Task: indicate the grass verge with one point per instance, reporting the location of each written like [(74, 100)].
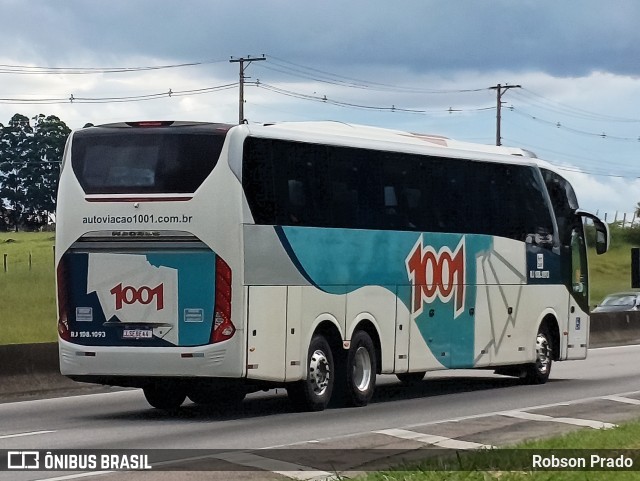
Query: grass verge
[(27, 288), (515, 463)]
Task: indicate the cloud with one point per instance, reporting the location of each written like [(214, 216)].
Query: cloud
[(606, 195), (568, 38)]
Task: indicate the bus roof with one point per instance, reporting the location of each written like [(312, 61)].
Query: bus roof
[(330, 128), (324, 131)]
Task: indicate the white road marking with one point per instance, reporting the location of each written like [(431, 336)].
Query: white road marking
[(621, 399), (20, 435), (79, 475), (526, 408), (440, 441), (290, 470), (303, 473), (574, 421)]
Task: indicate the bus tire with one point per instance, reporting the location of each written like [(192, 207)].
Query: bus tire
[(314, 393), (538, 372), (410, 378), (166, 396), (361, 370)]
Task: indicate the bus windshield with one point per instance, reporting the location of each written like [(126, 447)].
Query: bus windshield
[(145, 160)]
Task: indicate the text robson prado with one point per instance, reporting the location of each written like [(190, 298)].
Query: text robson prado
[(594, 461)]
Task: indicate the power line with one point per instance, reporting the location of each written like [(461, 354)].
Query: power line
[(123, 99), (37, 70), (327, 100), (288, 67), (311, 73), (601, 172), (545, 103), (560, 125)]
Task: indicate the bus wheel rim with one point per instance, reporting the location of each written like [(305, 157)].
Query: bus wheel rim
[(543, 355), (319, 372), (361, 369)]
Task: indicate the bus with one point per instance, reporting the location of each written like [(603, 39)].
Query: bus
[(209, 261)]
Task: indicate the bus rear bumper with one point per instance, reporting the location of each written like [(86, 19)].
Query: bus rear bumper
[(221, 360)]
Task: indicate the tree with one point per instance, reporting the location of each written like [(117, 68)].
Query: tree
[(14, 151), (29, 168), (50, 136)]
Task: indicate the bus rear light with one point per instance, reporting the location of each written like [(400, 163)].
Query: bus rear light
[(63, 307), (63, 329), (156, 123), (223, 329)]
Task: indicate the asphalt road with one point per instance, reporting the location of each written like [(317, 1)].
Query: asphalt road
[(123, 420)]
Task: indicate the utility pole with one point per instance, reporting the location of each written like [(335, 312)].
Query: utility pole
[(500, 90), (242, 61)]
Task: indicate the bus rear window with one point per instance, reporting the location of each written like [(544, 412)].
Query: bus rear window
[(123, 160)]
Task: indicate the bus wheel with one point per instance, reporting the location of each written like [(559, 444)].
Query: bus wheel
[(538, 371), (361, 370), (410, 378), (314, 393), (167, 396)]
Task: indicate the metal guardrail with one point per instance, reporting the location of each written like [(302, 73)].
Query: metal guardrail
[(33, 368), (614, 329)]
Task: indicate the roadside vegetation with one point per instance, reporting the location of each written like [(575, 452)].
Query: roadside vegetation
[(27, 288), (611, 272)]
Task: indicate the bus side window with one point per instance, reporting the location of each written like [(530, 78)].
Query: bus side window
[(297, 202), (564, 203), (400, 191), (411, 198), (392, 218), (258, 181), (343, 204), (578, 263), (537, 209), (349, 202), (526, 211)]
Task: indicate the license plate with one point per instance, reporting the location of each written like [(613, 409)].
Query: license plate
[(137, 334)]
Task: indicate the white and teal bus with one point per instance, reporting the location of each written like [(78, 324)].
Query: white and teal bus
[(209, 260)]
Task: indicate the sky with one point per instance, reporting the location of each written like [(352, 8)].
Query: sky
[(422, 66)]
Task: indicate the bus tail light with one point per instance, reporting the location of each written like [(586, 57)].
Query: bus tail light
[(152, 123), (223, 328), (63, 305)]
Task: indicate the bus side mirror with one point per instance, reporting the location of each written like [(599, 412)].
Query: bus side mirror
[(602, 237), (602, 231), (635, 267)]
